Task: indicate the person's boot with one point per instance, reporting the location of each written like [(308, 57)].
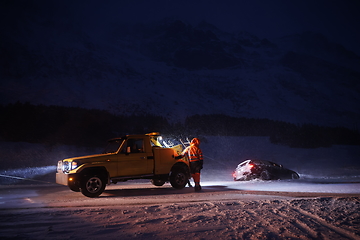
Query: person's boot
[(196, 178)]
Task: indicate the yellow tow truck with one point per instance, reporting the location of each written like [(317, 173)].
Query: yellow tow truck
[(130, 157)]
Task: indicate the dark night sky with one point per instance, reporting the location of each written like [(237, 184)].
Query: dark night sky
[(50, 23), (336, 19)]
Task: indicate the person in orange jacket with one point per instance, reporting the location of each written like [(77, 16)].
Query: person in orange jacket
[(196, 161)]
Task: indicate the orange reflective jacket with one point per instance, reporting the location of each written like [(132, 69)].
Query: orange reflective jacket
[(193, 151)]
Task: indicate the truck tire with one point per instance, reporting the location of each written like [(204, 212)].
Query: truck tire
[(265, 175), (92, 186), (158, 182), (178, 178)]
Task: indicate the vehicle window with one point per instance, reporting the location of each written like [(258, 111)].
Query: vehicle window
[(113, 146), (256, 162), (133, 145), (274, 164)]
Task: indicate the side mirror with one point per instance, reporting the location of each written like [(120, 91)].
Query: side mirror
[(128, 150)]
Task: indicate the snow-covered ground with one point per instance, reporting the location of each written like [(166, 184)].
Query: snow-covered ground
[(323, 204), (143, 211)]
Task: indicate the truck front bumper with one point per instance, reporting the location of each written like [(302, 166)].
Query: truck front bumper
[(62, 178), (66, 179)]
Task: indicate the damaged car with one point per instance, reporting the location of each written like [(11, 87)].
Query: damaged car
[(264, 170)]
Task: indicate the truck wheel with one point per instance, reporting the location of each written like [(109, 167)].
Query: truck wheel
[(92, 186), (265, 175), (158, 182), (178, 178)]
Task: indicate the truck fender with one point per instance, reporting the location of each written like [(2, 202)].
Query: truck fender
[(181, 165)]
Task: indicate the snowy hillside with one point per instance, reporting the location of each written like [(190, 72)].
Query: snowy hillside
[(175, 70)]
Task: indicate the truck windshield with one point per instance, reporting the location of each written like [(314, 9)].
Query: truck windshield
[(113, 146)]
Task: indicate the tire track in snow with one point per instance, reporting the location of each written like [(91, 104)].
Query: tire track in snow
[(297, 222), (328, 232), (278, 224), (286, 221)]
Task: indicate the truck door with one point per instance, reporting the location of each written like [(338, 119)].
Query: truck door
[(133, 159)]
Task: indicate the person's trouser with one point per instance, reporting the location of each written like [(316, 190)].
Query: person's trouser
[(196, 177)]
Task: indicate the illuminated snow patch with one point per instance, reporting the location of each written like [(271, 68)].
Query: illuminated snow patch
[(287, 186)]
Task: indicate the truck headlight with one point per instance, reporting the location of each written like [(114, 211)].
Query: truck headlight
[(68, 166)]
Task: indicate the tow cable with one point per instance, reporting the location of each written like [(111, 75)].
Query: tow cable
[(26, 179)]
